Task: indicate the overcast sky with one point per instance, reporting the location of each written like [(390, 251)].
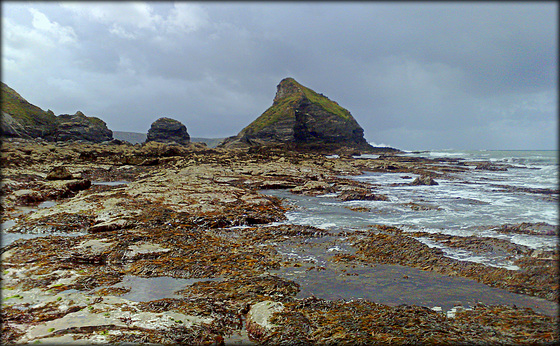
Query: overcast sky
[(415, 75)]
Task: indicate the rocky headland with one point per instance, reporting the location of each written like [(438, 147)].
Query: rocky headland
[(21, 119)]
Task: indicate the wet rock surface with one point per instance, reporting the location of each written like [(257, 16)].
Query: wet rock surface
[(540, 228), (195, 217), (424, 180)]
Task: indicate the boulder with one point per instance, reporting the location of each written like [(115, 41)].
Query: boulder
[(166, 130), (258, 319), (78, 185), (313, 188), (59, 173), (305, 119), (28, 196), (423, 180)]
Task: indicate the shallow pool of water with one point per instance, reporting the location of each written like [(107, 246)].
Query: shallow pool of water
[(110, 183), (394, 285), (161, 287), (321, 277)]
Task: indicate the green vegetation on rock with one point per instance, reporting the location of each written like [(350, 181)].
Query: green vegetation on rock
[(280, 110), (326, 103), (23, 119), (283, 107), (23, 111)]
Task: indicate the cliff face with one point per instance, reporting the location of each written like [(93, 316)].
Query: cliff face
[(23, 119), (304, 118)]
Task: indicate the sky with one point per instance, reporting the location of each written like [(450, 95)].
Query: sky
[(415, 75)]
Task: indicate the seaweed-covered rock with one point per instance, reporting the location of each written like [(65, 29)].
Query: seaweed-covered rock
[(424, 180), (299, 116), (59, 173), (488, 166), (166, 130)]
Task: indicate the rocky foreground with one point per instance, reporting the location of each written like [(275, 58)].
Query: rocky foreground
[(110, 215)]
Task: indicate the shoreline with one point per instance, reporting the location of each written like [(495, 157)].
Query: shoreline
[(199, 214)]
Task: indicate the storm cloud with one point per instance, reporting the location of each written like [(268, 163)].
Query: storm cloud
[(414, 75)]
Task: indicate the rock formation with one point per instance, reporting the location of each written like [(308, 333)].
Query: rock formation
[(304, 118), (23, 119), (59, 173), (166, 130), (80, 127)]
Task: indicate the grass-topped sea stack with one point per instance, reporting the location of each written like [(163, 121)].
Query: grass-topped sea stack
[(305, 119)]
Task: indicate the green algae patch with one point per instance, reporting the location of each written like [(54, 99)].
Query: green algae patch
[(17, 296)]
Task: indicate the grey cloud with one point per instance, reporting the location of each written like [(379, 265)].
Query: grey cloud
[(413, 74)]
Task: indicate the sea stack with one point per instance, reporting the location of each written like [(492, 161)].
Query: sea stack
[(302, 118), (166, 130)]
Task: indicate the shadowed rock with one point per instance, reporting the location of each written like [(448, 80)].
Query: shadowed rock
[(166, 130), (80, 127), (59, 173)]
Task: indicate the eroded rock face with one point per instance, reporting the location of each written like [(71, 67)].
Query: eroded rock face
[(166, 130), (304, 118), (23, 119), (80, 127)]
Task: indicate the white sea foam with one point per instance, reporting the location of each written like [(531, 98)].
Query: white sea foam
[(380, 145), (465, 206), (464, 255)]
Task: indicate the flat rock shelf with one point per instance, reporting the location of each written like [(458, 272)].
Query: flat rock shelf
[(166, 244)]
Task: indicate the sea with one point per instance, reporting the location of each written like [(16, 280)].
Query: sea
[(470, 203)]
